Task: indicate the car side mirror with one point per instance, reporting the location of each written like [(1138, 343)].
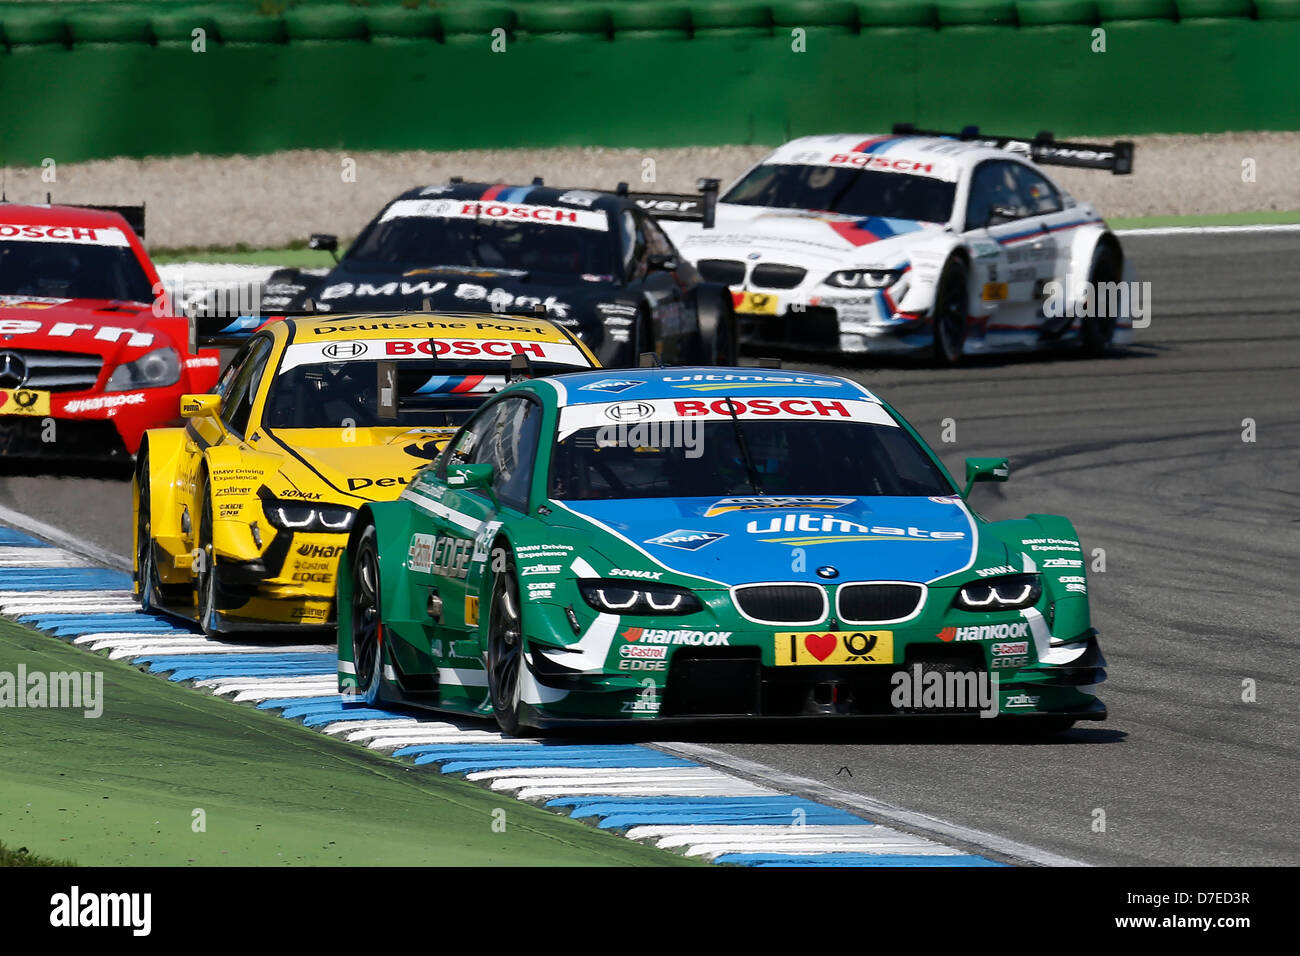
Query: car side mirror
[(471, 477), (985, 469), (662, 262), (325, 243), (1000, 214), (200, 406)]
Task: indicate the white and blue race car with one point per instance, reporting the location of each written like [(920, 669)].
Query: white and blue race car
[(917, 242)]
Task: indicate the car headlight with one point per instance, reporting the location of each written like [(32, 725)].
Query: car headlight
[(864, 278), (1004, 593), (620, 597), (156, 369), (297, 516)]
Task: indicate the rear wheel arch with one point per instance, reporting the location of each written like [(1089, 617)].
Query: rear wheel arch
[(1111, 242), (501, 545), (1105, 265)]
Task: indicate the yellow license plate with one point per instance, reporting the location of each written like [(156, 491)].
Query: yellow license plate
[(995, 292), (24, 401), (756, 303), (794, 648)]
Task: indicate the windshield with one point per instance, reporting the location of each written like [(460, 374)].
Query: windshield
[(691, 459), (342, 394), (68, 270), (851, 192), (415, 234)]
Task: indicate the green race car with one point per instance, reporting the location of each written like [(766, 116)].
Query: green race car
[(698, 543)]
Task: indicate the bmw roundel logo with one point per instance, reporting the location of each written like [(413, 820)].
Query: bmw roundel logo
[(828, 571)]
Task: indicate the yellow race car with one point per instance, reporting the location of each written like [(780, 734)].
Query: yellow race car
[(241, 516)]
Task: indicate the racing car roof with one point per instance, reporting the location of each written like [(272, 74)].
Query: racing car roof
[(50, 223), (912, 154), (426, 325), (650, 384), (531, 195), (464, 335)]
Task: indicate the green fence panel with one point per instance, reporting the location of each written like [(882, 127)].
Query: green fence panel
[(648, 21), (241, 26), (1216, 9), (1137, 9), (1056, 12), (33, 27), (1277, 9), (961, 13), (896, 13), (261, 87)]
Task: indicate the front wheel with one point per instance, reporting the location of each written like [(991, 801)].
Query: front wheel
[(505, 649), (951, 313), (367, 618), (146, 572), (205, 581)]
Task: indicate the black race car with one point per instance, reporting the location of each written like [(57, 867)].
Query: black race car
[(595, 262)]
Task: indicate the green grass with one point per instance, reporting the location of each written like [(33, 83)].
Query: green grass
[(21, 857), (1266, 218), (292, 256), (122, 789)]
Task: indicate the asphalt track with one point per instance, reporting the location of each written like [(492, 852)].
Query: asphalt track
[(1144, 451)]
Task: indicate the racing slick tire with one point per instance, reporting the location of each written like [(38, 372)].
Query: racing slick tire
[(366, 620), (153, 593), (716, 336), (505, 649), (1096, 331), (643, 338), (951, 313), (205, 579)]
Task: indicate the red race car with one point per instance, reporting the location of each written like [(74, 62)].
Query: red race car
[(90, 352)]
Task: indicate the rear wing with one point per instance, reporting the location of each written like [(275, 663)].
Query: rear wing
[(227, 331), (678, 207), (134, 215), (1044, 148)]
